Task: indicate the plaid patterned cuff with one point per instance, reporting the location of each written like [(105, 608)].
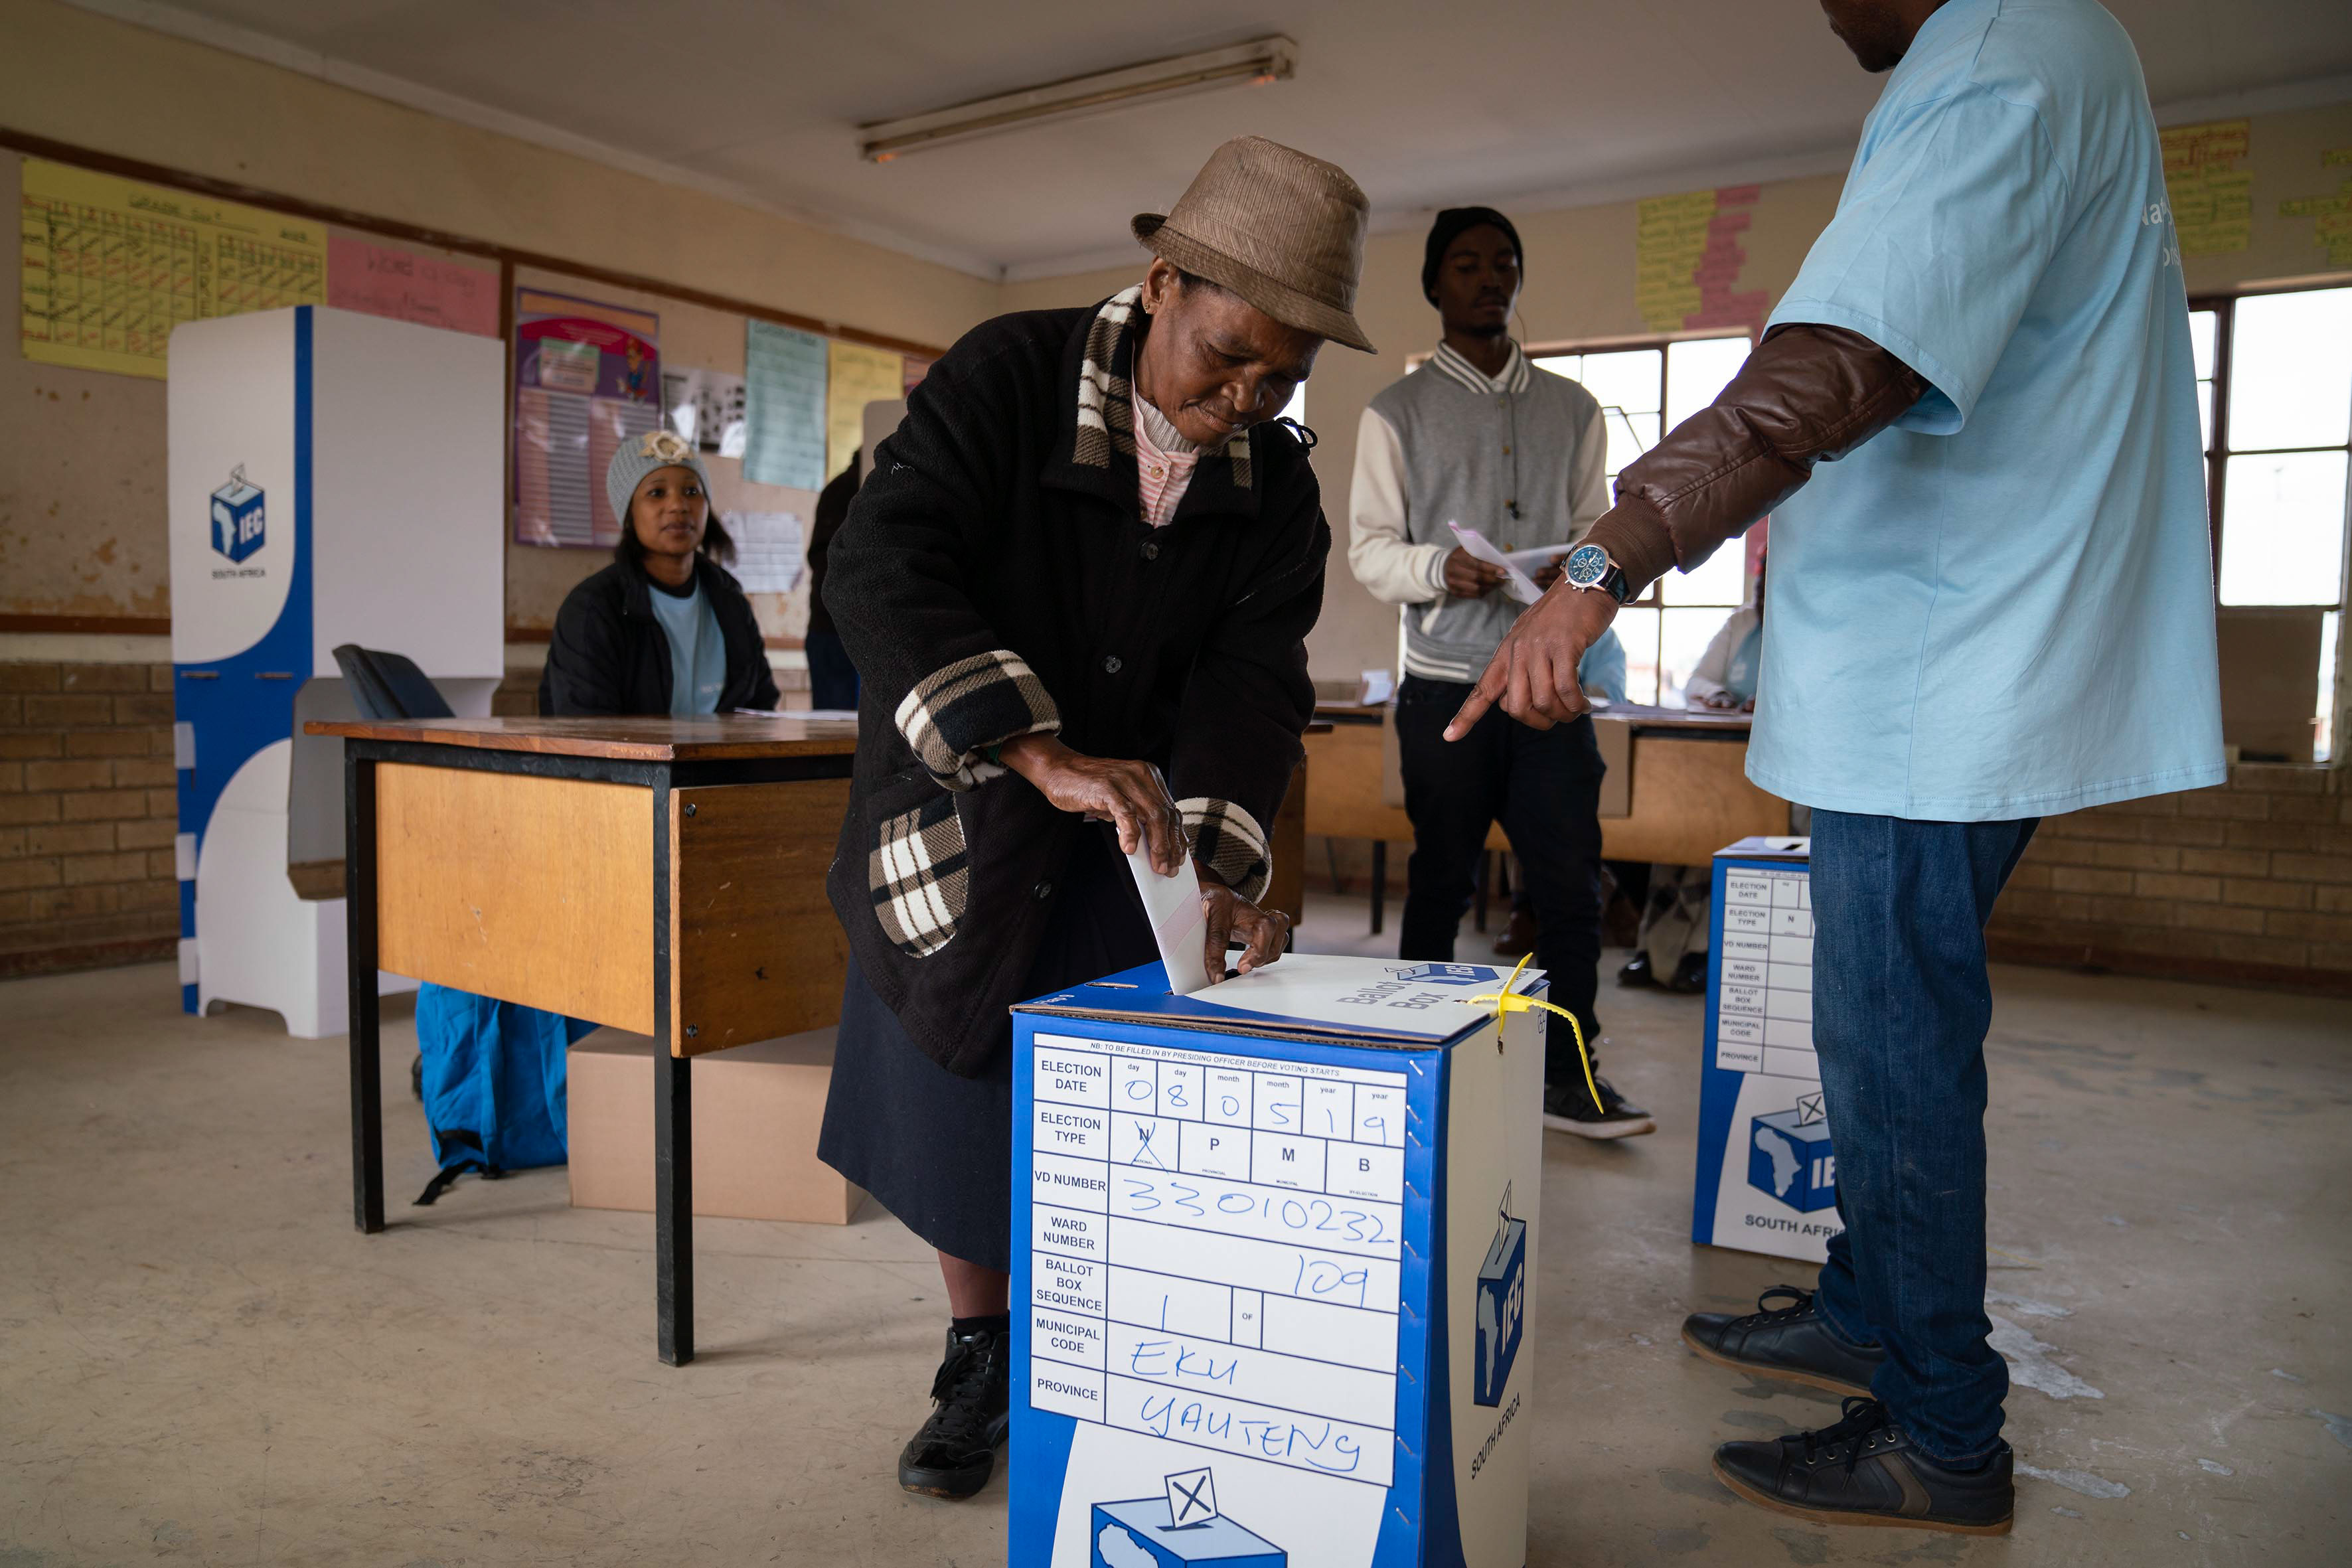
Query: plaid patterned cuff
[(953, 713), (921, 877), (1228, 840)]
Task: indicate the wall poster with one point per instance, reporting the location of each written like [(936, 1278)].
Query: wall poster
[(587, 379)]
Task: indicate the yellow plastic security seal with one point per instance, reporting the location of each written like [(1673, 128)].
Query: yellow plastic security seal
[(1507, 1002)]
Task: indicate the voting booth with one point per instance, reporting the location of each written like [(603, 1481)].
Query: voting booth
[(333, 478), (1273, 1269), (1767, 1177)]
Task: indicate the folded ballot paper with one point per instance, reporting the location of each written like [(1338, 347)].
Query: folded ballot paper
[(1518, 585), (1178, 924)]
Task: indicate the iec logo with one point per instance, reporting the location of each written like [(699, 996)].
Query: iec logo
[(1449, 973), (1502, 1307), (237, 517), (1789, 1156)]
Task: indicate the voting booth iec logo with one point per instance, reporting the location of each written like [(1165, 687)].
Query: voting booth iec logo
[(1502, 1306), (236, 516), (1789, 1156)]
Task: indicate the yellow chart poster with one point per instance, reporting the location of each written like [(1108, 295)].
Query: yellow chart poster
[(855, 375), (2212, 198), (111, 266)]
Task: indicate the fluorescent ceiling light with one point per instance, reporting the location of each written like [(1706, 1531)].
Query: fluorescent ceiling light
[(1255, 63)]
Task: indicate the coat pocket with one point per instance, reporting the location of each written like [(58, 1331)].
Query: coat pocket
[(918, 871)]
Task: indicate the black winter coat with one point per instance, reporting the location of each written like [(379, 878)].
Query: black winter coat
[(995, 578), (609, 655)]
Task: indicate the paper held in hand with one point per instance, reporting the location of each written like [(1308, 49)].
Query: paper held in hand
[(1178, 924), (1517, 584)]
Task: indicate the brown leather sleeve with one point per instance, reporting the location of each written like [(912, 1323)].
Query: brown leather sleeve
[(1807, 394)]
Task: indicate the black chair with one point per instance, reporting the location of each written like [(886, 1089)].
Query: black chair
[(390, 686)]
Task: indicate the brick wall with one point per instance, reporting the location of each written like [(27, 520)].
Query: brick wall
[(87, 808), (2250, 882)]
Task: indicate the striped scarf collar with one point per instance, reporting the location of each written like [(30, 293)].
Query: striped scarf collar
[(1106, 392), (1514, 380)]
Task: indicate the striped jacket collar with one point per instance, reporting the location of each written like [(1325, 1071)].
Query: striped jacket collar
[(1517, 373), (1101, 450)]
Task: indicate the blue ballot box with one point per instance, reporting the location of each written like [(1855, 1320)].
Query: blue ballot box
[(238, 517), (1767, 1178), (1274, 1269)]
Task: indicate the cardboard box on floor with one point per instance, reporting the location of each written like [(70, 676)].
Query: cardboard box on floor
[(757, 1109)]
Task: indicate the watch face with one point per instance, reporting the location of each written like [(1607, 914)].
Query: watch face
[(1587, 564)]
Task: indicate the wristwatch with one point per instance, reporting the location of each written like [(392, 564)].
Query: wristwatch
[(1589, 567)]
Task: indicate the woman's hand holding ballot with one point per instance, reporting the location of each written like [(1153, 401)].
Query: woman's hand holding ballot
[(1533, 675), (1130, 796)]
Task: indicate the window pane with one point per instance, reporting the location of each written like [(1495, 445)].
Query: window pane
[(1683, 638), (1697, 371), (2291, 372), (2283, 529), (2200, 337), (1719, 581), (2205, 411), (1638, 630), (1624, 378), (1630, 436)]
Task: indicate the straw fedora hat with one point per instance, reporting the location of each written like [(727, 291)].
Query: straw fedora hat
[(1283, 230)]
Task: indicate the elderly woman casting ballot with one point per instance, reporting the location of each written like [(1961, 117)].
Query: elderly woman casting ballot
[(1077, 587)]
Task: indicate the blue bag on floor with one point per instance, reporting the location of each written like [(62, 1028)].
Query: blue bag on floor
[(493, 1082)]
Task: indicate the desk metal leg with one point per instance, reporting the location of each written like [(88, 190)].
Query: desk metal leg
[(360, 952), (672, 1130), (674, 1204), (1379, 883)]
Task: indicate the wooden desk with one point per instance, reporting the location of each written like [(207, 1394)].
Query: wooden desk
[(662, 876), (1689, 795)]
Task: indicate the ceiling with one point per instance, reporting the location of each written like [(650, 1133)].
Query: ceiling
[(1426, 104)]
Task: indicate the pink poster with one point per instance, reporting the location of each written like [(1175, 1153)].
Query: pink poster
[(432, 290)]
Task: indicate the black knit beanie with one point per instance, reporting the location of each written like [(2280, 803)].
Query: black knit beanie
[(1450, 227)]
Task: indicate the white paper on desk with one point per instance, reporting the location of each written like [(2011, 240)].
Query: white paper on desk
[(1518, 585), (848, 715), (1172, 905)]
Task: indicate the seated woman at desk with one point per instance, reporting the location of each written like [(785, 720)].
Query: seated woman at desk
[(1726, 674), (664, 630), (1076, 585)]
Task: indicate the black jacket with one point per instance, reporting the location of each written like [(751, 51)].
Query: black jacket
[(609, 655), (995, 578), (831, 511)]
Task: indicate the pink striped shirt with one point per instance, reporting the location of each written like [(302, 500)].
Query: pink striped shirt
[(1163, 466)]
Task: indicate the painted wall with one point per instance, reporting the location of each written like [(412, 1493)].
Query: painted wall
[(1581, 271), (81, 507)]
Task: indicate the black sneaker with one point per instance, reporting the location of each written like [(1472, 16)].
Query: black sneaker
[(1865, 1470), (1790, 1342), (1637, 969), (1570, 1108), (955, 1452)]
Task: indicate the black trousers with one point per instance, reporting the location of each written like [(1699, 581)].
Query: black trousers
[(1544, 787)]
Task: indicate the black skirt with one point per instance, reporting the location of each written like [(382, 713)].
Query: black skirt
[(934, 1148)]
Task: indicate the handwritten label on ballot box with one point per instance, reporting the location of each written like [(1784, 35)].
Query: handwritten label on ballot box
[(1262, 1233)]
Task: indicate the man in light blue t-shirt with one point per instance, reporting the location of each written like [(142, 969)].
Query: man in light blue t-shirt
[(1996, 605)]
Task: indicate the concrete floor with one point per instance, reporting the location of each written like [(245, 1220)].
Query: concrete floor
[(200, 1362)]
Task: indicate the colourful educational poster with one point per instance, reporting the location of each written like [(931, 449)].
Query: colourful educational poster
[(855, 377), (785, 429), (408, 286), (2331, 215), (2212, 197), (111, 266), (587, 378), (1688, 253)]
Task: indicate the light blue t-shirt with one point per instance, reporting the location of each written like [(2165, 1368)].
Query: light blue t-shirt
[(1603, 668), (698, 654), (2003, 605)]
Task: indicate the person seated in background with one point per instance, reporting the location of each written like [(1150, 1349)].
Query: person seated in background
[(664, 630), (1727, 672), (1673, 946)]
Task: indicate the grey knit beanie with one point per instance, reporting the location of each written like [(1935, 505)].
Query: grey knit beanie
[(640, 456)]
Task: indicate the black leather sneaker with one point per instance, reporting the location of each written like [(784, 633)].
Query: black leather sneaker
[(1570, 1108), (1865, 1470), (1790, 1342), (955, 1452)]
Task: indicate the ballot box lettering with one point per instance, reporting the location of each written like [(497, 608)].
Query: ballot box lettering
[(1767, 1177), (1274, 1269)]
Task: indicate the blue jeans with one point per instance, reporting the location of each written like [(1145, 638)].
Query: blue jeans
[(1901, 1004)]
